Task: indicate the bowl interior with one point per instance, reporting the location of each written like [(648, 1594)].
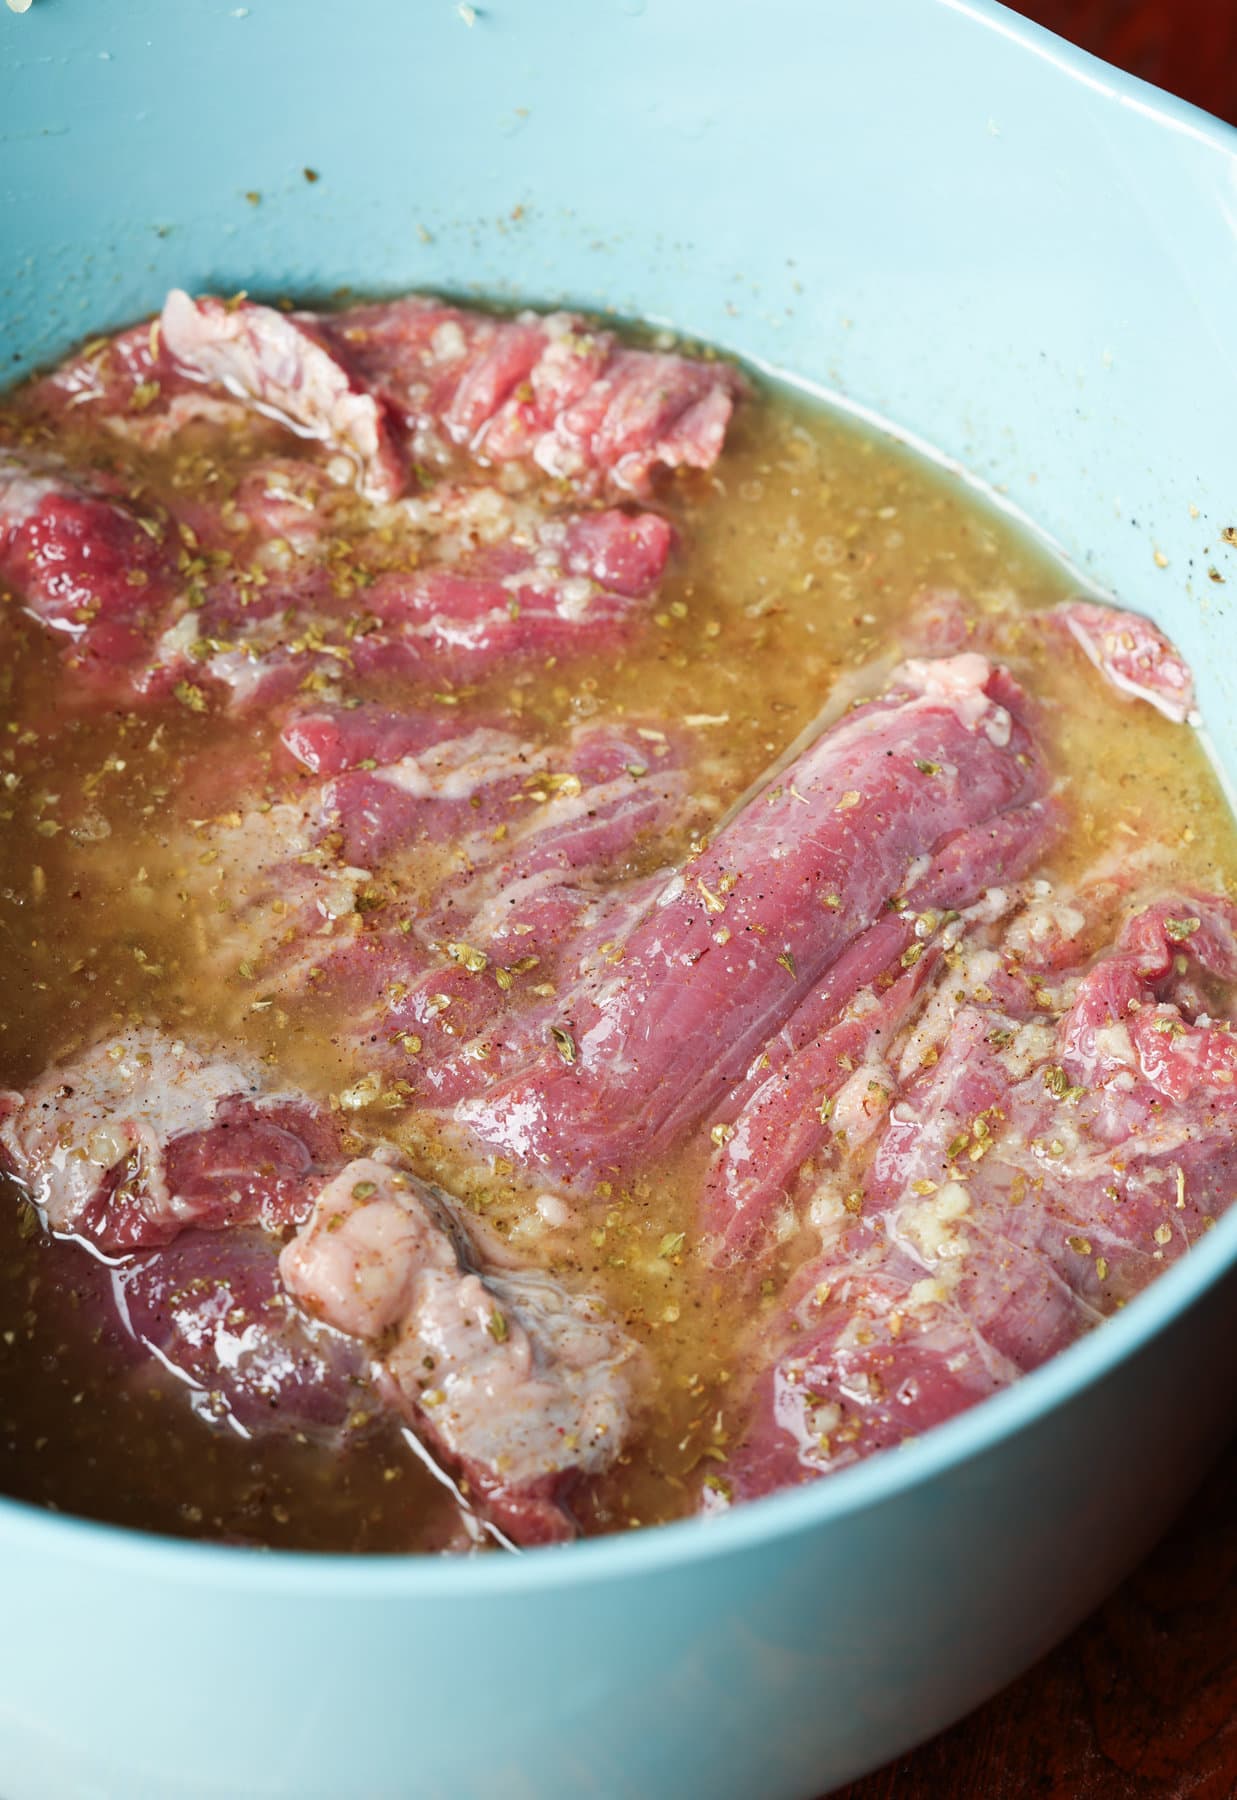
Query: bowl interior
[(1022, 258)]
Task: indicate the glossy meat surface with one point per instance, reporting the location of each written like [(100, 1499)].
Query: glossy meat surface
[(736, 940)]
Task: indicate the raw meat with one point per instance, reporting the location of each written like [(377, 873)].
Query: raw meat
[(141, 1136), (517, 1386), (283, 364), (547, 390), (212, 1309), (1045, 1151), (1131, 653), (736, 941), (84, 563)]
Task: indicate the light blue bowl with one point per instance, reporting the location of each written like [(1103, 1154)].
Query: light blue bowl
[(949, 218)]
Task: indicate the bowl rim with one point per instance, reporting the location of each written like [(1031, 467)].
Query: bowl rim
[(28, 1529)]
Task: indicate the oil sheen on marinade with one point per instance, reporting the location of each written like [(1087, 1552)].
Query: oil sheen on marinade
[(803, 549)]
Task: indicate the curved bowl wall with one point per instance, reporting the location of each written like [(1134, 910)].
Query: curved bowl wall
[(944, 217)]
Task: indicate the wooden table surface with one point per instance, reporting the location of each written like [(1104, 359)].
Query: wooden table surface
[(1141, 1703)]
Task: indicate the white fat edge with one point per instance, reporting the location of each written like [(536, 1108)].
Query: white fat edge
[(998, 727), (132, 1094), (243, 670), (458, 768), (1099, 653), (173, 646), (564, 808), (281, 361), (916, 870), (674, 890), (152, 430), (1031, 1047), (23, 490), (441, 632), (860, 1104), (570, 594), (930, 1226), (959, 682), (328, 407), (448, 342)]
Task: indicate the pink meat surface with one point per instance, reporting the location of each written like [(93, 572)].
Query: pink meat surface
[(283, 364), (327, 740), (1105, 1140), (493, 797), (212, 1309), (415, 375), (474, 823), (789, 1115), (573, 588), (517, 1386), (1132, 654), (495, 579), (558, 587), (1047, 1149), (547, 390), (463, 783), (982, 1226), (129, 383), (512, 859), (141, 1137), (425, 895), (735, 941), (87, 565)]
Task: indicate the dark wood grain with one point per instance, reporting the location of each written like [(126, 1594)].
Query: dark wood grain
[(1141, 1703), (1186, 46)]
